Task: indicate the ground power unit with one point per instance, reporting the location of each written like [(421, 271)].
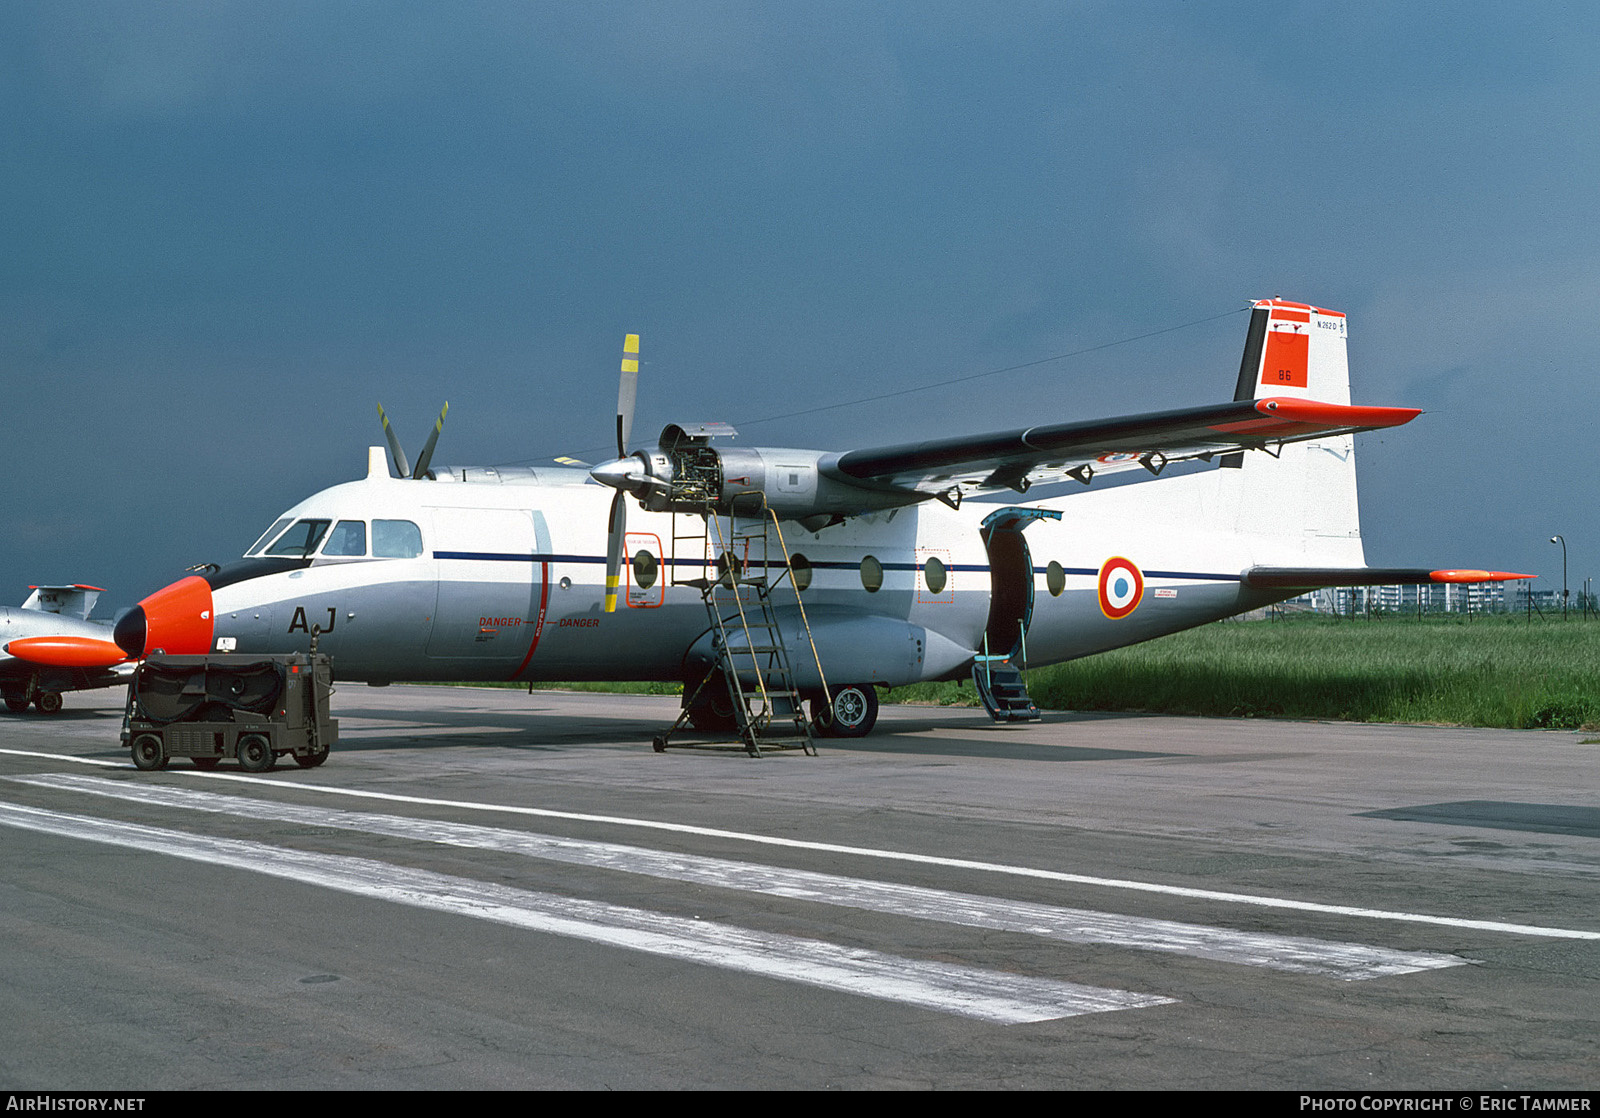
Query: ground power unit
[(211, 708)]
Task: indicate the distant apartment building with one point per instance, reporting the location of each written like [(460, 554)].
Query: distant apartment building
[(1437, 597)]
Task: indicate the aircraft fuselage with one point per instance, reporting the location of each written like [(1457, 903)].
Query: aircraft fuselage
[(505, 582)]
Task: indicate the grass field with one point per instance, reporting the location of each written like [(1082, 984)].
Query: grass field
[(1498, 671), (1490, 671)]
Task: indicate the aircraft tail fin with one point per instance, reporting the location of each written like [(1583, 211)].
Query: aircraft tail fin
[(1294, 349), (71, 601), (1301, 494)]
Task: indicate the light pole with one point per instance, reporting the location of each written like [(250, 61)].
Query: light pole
[(1560, 540)]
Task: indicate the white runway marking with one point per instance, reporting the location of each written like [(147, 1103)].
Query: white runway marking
[(967, 991), (1289, 953), (99, 762), (931, 860)]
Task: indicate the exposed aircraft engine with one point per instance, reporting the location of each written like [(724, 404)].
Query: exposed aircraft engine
[(685, 473)]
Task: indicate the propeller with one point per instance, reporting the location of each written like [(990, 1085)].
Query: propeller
[(617, 523), (402, 464)]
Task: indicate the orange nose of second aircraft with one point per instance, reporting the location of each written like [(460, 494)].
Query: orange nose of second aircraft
[(175, 619)]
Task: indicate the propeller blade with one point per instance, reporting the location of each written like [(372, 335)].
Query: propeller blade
[(421, 470), (402, 465), (627, 389), (616, 528)]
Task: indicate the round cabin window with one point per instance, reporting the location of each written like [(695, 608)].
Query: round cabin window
[(933, 574), (645, 569), (1055, 578), (800, 571), (871, 574)]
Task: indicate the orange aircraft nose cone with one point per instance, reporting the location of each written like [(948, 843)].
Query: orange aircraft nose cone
[(175, 619)]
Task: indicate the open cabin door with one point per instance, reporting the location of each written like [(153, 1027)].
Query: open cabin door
[(996, 672), (1010, 578)]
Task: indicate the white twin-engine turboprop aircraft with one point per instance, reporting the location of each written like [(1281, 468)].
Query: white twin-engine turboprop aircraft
[(912, 562)]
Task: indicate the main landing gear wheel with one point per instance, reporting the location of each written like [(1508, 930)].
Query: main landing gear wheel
[(255, 754), (853, 714), (48, 702), (148, 753), (16, 704), (712, 712)]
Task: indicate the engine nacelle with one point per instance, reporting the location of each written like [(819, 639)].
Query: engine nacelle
[(685, 473)]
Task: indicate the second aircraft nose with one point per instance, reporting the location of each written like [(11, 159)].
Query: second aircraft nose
[(175, 619)]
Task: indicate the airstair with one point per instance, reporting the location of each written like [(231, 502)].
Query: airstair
[(999, 677), (1001, 686), (742, 567)]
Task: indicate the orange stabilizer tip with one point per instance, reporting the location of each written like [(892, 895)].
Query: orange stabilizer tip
[(67, 652), (1476, 576), (1334, 415)]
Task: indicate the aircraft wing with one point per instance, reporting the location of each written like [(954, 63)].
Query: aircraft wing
[(43, 636), (1021, 458), (43, 653)]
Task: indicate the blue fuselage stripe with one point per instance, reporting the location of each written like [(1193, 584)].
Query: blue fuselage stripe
[(823, 565)]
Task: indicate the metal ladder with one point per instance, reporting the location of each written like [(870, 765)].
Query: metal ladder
[(752, 659)]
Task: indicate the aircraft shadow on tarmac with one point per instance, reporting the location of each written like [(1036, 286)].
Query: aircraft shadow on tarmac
[(31, 720), (910, 740), (909, 737), (524, 730)]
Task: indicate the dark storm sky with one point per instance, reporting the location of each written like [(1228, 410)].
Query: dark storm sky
[(232, 228)]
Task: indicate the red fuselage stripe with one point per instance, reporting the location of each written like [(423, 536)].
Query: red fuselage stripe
[(544, 601)]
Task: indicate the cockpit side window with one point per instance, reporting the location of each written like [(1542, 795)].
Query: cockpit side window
[(301, 540), (269, 535), (396, 539), (348, 539)]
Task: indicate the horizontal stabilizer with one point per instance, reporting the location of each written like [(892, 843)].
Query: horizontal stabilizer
[(1315, 578)]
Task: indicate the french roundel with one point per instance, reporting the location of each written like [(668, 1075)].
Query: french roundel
[(1121, 587)]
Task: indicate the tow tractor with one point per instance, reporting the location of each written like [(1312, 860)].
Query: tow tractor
[(252, 708)]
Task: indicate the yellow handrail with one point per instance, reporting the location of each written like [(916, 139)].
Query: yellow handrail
[(744, 622), (788, 565)]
